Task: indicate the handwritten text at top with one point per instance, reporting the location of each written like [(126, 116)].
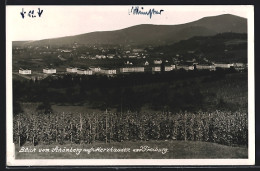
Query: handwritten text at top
[(31, 13)]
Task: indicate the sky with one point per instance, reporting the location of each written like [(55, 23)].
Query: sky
[(60, 21)]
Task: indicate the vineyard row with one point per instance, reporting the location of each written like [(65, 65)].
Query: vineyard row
[(229, 128)]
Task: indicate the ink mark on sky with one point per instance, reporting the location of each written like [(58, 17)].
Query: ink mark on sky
[(31, 13), (141, 11)]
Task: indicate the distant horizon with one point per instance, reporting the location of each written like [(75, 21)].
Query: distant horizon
[(98, 19)]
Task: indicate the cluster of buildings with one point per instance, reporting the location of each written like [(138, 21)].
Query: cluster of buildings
[(157, 66), (120, 53), (91, 71)]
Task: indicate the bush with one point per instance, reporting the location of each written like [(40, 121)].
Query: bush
[(44, 107)]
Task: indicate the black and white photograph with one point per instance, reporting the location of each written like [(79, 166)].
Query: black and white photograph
[(130, 84)]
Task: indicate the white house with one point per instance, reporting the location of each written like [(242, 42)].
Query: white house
[(84, 71), (223, 65), (157, 61), (25, 71), (131, 69), (156, 68), (98, 56), (108, 71), (185, 67), (71, 70), (95, 69), (49, 70), (239, 65), (138, 50), (167, 68), (110, 56), (173, 66), (128, 63), (207, 67), (146, 63), (138, 69)]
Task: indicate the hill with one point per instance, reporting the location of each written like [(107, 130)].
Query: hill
[(146, 34), (223, 47)]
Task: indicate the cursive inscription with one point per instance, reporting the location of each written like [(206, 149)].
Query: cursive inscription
[(141, 11)]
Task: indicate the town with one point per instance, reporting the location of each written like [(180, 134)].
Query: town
[(38, 60), (131, 61), (156, 67)]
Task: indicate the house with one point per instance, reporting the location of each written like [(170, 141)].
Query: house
[(128, 63), (131, 69), (71, 70), (138, 69), (173, 66), (125, 69), (132, 56), (98, 57), (138, 50), (205, 66), (49, 70), (156, 68), (185, 67), (239, 65), (146, 63), (168, 68), (110, 56), (108, 71), (25, 71), (157, 61), (95, 69), (223, 65), (84, 71)]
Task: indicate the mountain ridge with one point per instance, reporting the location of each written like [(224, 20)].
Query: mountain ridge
[(155, 35)]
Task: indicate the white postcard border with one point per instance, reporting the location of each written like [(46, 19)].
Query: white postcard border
[(11, 161)]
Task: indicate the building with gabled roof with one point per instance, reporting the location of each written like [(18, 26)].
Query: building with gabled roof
[(223, 65), (185, 67), (156, 68), (49, 70), (108, 71), (205, 67), (25, 71), (71, 69), (95, 69), (84, 71), (131, 69)]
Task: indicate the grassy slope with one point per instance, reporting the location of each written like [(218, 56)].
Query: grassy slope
[(176, 150), (232, 89)]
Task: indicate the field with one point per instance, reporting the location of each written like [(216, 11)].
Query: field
[(176, 150), (193, 114), (228, 128)]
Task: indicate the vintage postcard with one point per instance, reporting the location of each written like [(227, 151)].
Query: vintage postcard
[(130, 85)]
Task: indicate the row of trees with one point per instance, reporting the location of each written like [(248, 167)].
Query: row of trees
[(174, 91)]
